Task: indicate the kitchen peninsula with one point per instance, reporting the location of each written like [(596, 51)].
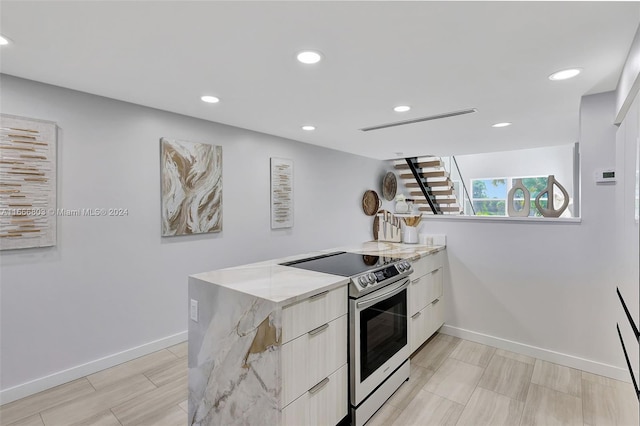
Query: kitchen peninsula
[(268, 343)]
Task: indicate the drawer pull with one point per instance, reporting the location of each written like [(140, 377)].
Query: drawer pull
[(317, 296), (416, 315), (436, 301), (415, 281), (435, 270), (319, 386), (319, 329)]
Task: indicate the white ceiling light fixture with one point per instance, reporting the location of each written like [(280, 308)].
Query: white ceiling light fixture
[(309, 57), (210, 99), (402, 108), (308, 128), (565, 74), (3, 40), (505, 124)]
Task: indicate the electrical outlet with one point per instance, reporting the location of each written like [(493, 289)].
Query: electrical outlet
[(194, 310)]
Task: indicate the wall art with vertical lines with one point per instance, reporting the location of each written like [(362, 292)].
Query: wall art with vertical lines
[(27, 182), (281, 193), (191, 187)]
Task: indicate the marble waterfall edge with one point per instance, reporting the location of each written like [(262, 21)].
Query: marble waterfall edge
[(234, 358)]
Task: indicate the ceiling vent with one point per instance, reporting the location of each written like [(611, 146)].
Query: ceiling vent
[(419, 120)]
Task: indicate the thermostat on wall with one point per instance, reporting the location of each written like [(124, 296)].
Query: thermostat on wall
[(606, 176)]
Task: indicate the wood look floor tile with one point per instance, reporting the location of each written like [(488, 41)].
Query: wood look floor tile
[(144, 407), (145, 363), (518, 357), (608, 405), (548, 407), (180, 350), (87, 406), (486, 408), (507, 377), (405, 393), (435, 351), (106, 418), (473, 353), (169, 372), (557, 377), (184, 405), (455, 380), (607, 381), (429, 409), (172, 416), (384, 416), (34, 420), (41, 401)]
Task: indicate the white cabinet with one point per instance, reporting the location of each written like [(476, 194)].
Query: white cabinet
[(314, 360), (426, 314), (324, 404)]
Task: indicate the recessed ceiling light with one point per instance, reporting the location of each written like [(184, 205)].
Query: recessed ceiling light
[(309, 57), (308, 128), (3, 40), (501, 125), (210, 99), (565, 74), (402, 108)]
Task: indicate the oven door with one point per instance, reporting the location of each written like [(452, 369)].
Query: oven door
[(379, 338)]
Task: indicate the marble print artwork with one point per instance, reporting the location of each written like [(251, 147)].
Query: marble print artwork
[(191, 187), (27, 183)]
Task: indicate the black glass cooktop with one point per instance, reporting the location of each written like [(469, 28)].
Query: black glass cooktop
[(342, 263)]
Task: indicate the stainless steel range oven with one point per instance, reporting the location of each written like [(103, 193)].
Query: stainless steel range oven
[(378, 336)]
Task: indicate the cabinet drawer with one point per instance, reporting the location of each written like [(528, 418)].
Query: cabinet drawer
[(424, 290), (417, 293), (434, 285), (304, 316), (418, 324), (436, 318), (311, 357), (324, 404), (426, 264)]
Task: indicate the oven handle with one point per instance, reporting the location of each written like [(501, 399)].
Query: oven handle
[(370, 302)]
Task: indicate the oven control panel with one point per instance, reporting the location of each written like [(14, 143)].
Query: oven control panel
[(380, 276)]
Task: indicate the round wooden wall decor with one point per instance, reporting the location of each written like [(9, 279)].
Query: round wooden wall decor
[(389, 186)]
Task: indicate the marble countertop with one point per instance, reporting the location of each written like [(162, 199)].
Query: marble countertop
[(285, 285)]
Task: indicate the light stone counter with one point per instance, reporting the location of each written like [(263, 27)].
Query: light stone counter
[(234, 347), (404, 251)]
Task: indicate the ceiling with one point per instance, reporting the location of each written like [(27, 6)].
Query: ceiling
[(434, 56)]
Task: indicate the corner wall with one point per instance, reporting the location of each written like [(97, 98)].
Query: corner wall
[(112, 288), (544, 289)]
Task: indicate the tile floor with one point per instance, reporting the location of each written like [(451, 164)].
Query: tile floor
[(453, 382)]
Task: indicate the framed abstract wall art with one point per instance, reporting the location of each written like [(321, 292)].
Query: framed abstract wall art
[(27, 182), (191, 175), (281, 193)]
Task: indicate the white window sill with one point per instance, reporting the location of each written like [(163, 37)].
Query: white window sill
[(503, 218)]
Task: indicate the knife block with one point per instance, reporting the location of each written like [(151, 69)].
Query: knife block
[(389, 228)]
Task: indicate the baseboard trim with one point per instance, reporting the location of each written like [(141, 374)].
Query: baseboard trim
[(73, 373), (540, 353)]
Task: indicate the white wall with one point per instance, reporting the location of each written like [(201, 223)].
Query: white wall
[(544, 288), (112, 284), (627, 238)]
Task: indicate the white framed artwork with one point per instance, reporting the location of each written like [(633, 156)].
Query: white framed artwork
[(281, 193), (28, 157)]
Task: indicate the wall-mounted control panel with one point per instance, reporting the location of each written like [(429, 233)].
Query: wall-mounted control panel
[(605, 176)]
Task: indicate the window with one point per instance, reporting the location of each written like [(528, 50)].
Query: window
[(489, 196)]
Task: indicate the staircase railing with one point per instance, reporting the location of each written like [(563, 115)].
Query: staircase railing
[(464, 187), (423, 185)]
